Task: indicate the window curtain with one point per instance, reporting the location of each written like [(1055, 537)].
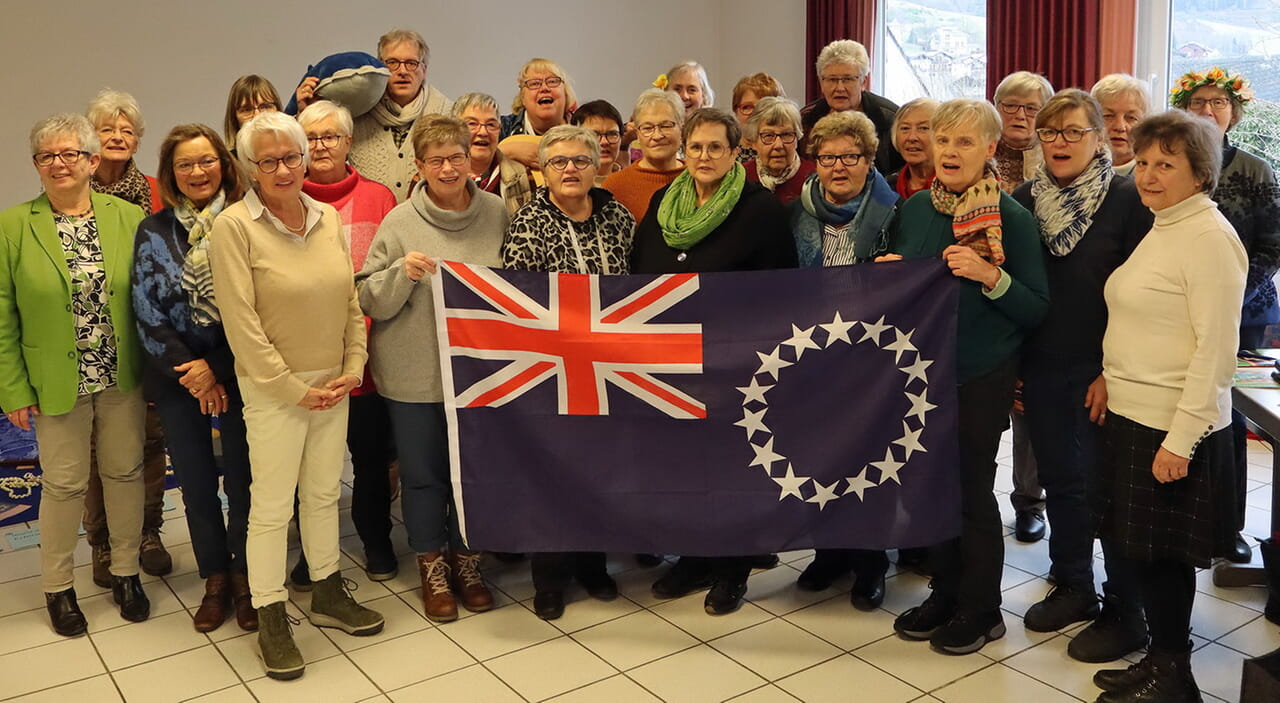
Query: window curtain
[(829, 20), (1058, 39)]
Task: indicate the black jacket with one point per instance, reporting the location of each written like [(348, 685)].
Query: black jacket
[(880, 110)]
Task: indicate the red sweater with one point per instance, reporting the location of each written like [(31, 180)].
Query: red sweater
[(634, 186), (790, 190)]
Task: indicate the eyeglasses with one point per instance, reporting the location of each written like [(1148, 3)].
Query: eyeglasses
[(771, 137), (206, 165), (612, 136), (69, 158), (1049, 135), (580, 163), (829, 160), (1012, 108), (109, 132), (437, 162), (1215, 103), (745, 109), (255, 109), (647, 129), (489, 126), (537, 83), (409, 65), (270, 164), (840, 80), (714, 150), (328, 140)]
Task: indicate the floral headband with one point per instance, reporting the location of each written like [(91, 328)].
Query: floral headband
[(1236, 85)]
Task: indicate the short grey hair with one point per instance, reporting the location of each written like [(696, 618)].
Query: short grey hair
[(66, 123), (284, 127), (844, 51), (773, 111), (396, 36), (569, 133), (482, 101), (1114, 85), (656, 97), (111, 104), (966, 111), (1023, 83), (320, 109), (928, 104), (701, 73)]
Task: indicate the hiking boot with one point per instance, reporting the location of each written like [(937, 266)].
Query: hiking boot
[(1117, 631), (920, 622), (437, 598), (468, 583), (102, 565), (1063, 606), (333, 606), (152, 555), (1168, 679), (967, 632), (213, 607), (280, 656)]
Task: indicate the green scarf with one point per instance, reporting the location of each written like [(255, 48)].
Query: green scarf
[(683, 223)]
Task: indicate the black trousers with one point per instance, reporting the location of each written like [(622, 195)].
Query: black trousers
[(1168, 592), (552, 571), (369, 439)]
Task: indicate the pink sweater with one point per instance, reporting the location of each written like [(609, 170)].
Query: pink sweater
[(361, 205)]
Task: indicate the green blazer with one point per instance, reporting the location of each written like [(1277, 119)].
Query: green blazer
[(38, 360)]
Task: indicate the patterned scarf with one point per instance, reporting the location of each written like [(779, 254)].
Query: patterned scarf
[(683, 222), (197, 278), (772, 182), (975, 215), (1066, 212), (131, 186)]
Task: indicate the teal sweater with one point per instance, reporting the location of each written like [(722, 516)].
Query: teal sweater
[(989, 330)]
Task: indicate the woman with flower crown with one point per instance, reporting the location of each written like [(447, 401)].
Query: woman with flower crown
[(1247, 195)]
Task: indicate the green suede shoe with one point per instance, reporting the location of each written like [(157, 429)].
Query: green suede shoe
[(280, 656), (333, 606)]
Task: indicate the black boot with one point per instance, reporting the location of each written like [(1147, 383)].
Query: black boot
[(1271, 560), (65, 613), (1168, 679), (127, 592)]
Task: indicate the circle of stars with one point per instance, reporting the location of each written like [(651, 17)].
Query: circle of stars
[(897, 454)]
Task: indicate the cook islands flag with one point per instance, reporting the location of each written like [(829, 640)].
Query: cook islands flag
[(708, 414)]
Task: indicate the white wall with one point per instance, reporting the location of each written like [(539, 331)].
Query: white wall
[(180, 58)]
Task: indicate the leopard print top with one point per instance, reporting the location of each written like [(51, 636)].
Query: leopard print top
[(540, 237)]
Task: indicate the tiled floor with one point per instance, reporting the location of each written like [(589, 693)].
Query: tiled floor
[(784, 645)]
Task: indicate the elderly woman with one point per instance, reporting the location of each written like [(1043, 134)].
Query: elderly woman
[(746, 93), (1090, 221), (544, 99), (118, 120), (249, 96), (189, 373), (448, 217), (569, 227), (1168, 359), (1247, 195), (603, 118), (486, 165), (844, 70), (69, 354), (711, 218), (774, 130), (1124, 100), (688, 79), (913, 140), (658, 117), (992, 245), (1019, 97), (361, 204), (283, 283)]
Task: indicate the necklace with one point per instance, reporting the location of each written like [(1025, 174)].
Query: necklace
[(74, 215)]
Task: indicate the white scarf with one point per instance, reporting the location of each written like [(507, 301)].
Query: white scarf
[(772, 182), (1065, 213), (389, 114)]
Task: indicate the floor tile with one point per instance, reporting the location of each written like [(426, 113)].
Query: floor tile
[(765, 694), (634, 639), (234, 694), (526, 670), (396, 663), (99, 689), (242, 651), (1000, 684), (831, 682), (689, 615), (25, 630), (1017, 638), (176, 678), (582, 611), (839, 623), (1212, 618), (1252, 597), (473, 683), (333, 680), (103, 614), (775, 649), (398, 616), (52, 665), (1217, 670), (696, 675), (1257, 638), (618, 689), (916, 664), (160, 636), (512, 579), (1016, 600), (20, 595), (905, 591), (775, 591), (499, 631), (1049, 663)]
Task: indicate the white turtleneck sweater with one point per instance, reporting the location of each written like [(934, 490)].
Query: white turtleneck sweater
[(1169, 352)]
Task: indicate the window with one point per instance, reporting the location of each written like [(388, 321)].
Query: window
[(933, 48)]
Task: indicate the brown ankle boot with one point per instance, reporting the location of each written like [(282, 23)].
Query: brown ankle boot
[(465, 567), (437, 600), (213, 607), (246, 614)]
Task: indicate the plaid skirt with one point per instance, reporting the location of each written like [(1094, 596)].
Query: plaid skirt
[(1191, 520)]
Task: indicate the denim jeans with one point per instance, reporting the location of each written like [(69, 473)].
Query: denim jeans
[(426, 488)]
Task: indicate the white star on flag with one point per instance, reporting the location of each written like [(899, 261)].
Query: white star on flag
[(914, 371), (910, 441), (765, 457), (823, 494), (770, 363), (790, 484), (801, 340), (755, 392), (919, 405), (858, 484), (901, 344), (838, 330), (874, 330), (888, 468), (753, 421)]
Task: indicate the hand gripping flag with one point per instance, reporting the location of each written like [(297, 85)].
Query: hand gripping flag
[(706, 414)]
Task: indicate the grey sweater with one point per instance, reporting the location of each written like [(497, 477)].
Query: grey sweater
[(403, 353)]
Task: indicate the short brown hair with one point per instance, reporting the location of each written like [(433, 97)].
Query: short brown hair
[(246, 89), (711, 115), (852, 124), (169, 192), (1180, 132), (439, 129), (1065, 101), (762, 84)]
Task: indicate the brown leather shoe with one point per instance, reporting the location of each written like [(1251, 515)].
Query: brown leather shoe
[(467, 582), (213, 607), (246, 614), (437, 600)]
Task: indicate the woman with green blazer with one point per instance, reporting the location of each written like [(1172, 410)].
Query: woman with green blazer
[(69, 359)]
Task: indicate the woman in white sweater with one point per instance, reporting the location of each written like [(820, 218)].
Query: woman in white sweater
[(1168, 358)]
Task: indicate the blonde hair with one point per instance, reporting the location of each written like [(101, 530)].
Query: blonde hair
[(965, 111), (549, 66), (709, 95), (928, 104), (854, 125), (1114, 85), (439, 129)]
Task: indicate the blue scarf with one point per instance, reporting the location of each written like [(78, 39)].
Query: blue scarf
[(815, 201)]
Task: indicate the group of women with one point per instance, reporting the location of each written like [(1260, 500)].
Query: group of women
[(283, 291)]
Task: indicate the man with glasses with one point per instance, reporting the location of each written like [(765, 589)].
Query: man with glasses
[(844, 72), (601, 117)]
